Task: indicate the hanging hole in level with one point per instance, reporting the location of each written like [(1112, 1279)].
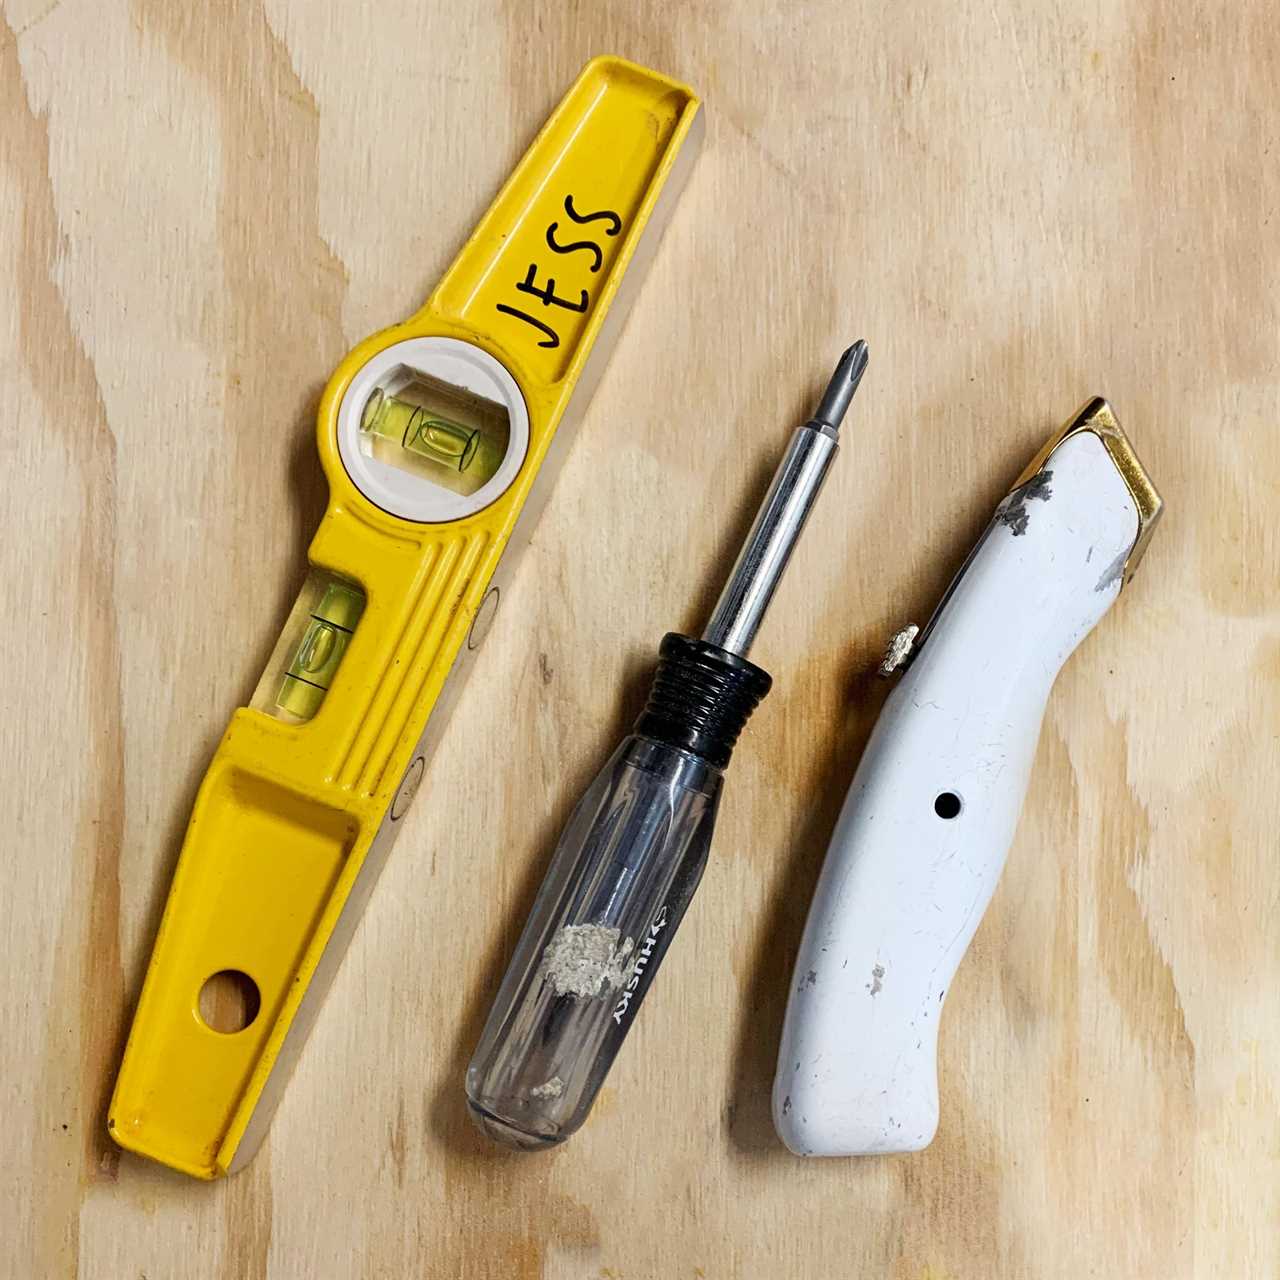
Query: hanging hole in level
[(229, 1001), (947, 805)]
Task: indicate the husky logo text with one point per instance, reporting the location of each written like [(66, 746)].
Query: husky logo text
[(637, 969)]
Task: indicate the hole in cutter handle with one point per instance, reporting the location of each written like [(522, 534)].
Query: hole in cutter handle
[(947, 805)]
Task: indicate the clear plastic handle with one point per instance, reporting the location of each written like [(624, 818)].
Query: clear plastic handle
[(621, 877)]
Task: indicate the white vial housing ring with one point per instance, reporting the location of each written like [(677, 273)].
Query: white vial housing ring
[(433, 429)]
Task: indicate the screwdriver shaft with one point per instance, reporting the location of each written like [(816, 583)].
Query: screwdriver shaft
[(782, 516)]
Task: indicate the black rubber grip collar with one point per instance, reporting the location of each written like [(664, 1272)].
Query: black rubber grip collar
[(702, 696)]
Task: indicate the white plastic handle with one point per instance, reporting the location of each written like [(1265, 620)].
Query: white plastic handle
[(904, 885)]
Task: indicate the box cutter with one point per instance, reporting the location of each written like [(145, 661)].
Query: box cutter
[(918, 848), (439, 438)]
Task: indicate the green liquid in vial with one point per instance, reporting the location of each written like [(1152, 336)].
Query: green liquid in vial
[(320, 651), (432, 436)]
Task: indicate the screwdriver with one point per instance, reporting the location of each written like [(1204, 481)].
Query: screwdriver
[(634, 849)]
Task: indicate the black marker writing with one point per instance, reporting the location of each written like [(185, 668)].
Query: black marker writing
[(552, 336), (580, 218), (589, 245), (548, 295)]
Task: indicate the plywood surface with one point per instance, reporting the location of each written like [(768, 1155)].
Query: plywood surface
[(202, 206)]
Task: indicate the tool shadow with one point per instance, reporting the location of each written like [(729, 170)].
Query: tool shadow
[(748, 1116), (308, 496), (448, 1114)]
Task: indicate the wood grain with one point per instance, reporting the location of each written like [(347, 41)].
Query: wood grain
[(1018, 205)]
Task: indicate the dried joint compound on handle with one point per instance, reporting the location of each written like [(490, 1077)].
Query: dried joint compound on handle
[(586, 960)]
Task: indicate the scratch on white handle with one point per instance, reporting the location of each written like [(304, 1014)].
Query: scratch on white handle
[(903, 888)]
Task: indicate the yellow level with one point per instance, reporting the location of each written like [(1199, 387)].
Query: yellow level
[(439, 438)]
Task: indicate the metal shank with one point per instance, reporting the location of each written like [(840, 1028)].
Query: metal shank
[(768, 547)]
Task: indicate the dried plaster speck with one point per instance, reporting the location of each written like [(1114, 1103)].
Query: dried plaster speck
[(586, 960), (1114, 572), (898, 650)]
